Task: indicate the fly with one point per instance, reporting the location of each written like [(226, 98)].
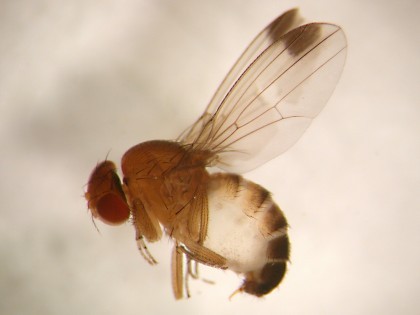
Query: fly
[(268, 99)]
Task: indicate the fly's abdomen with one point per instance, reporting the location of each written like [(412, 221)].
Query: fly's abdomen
[(248, 229)]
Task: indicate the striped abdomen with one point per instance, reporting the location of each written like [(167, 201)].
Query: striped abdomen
[(248, 229)]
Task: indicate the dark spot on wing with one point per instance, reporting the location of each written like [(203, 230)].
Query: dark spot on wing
[(283, 24), (302, 38)]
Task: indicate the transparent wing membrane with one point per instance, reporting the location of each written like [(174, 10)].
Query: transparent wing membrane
[(273, 101), (280, 26)]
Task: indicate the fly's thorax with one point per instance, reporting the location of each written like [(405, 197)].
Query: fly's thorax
[(245, 225), (157, 157), (169, 179), (152, 158)]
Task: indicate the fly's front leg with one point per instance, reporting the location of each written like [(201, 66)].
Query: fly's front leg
[(141, 245), (146, 226)]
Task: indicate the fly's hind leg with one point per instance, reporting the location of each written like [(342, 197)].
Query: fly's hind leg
[(180, 276), (193, 271), (194, 253), (203, 255), (177, 273)]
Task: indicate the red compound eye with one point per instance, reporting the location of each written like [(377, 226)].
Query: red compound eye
[(112, 210)]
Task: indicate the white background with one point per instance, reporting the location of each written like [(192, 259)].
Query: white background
[(81, 79)]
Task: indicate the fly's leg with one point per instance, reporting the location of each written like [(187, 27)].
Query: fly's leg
[(190, 272), (146, 226), (203, 255), (180, 279), (199, 217), (193, 270), (141, 245), (194, 273), (177, 273)]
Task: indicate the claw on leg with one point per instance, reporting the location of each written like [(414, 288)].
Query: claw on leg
[(141, 245)]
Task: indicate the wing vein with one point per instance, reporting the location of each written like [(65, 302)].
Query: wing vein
[(271, 94), (250, 84), (235, 123)]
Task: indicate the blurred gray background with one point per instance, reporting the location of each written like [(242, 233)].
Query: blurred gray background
[(83, 79)]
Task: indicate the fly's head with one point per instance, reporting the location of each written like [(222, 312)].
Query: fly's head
[(105, 195)]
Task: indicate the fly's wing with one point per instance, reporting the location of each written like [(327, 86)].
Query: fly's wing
[(274, 100), (273, 32)]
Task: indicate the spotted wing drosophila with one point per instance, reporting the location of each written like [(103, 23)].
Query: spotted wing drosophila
[(265, 103)]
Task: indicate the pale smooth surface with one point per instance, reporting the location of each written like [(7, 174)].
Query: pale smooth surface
[(85, 79)]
